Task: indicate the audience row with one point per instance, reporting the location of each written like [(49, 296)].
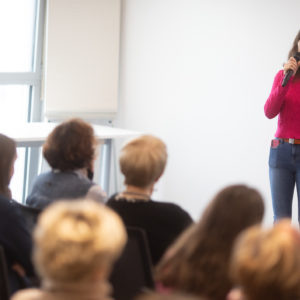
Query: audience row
[(226, 254)]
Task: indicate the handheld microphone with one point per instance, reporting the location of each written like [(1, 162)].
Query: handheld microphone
[(289, 72)]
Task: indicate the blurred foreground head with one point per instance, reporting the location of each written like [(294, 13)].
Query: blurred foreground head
[(77, 241), (266, 262), (198, 262), (168, 296)]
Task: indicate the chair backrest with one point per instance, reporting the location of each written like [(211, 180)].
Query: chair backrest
[(4, 290), (30, 215), (133, 271)]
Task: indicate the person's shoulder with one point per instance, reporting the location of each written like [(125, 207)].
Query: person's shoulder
[(167, 205), (8, 205), (96, 192), (112, 200), (43, 176), (171, 207), (29, 294)]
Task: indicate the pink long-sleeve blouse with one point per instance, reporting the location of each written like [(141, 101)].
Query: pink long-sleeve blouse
[(285, 102)]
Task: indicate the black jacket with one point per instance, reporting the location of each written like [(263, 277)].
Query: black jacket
[(15, 240)]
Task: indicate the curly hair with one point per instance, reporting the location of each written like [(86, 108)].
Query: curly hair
[(7, 154), (70, 146), (266, 263), (198, 262)]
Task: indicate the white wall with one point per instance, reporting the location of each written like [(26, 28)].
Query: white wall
[(197, 73)]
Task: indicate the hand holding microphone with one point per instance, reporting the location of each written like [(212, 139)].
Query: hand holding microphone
[(291, 67)]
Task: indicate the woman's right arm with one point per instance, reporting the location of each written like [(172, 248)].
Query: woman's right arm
[(275, 101), (276, 98)]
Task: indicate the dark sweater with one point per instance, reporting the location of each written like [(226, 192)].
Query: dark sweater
[(15, 239), (162, 221)]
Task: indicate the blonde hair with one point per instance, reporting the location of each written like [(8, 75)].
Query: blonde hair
[(266, 263), (75, 239), (143, 160)]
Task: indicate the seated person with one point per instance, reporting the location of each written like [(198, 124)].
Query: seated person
[(70, 152), (170, 296), (266, 263), (198, 262), (142, 162), (76, 244), (14, 238)]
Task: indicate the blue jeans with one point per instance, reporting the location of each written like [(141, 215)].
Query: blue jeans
[(284, 171)]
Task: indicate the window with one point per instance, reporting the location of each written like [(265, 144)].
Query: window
[(21, 31)]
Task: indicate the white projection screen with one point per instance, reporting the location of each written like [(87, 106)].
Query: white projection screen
[(82, 58)]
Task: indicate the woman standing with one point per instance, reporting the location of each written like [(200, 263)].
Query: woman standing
[(284, 160)]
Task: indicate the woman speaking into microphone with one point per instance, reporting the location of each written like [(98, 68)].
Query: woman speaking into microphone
[(284, 160)]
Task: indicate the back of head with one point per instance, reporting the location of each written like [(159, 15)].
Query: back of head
[(70, 146), (233, 209), (266, 263), (168, 296), (75, 240), (198, 261), (143, 160), (7, 156)]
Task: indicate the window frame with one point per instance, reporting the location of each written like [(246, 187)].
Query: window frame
[(34, 80)]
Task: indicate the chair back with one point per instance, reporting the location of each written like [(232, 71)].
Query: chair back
[(133, 271), (4, 290), (30, 215)]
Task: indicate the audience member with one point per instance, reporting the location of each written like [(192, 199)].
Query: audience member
[(76, 244), (266, 263), (171, 296), (70, 152), (142, 162), (14, 238), (198, 262)]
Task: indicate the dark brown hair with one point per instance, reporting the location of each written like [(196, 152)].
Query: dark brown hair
[(294, 50), (7, 155), (70, 146), (198, 262)]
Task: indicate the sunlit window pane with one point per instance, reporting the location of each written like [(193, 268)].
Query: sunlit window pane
[(17, 182), (14, 101), (17, 19)]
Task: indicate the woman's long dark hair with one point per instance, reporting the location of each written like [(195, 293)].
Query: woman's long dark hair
[(198, 262), (7, 155), (294, 50)]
